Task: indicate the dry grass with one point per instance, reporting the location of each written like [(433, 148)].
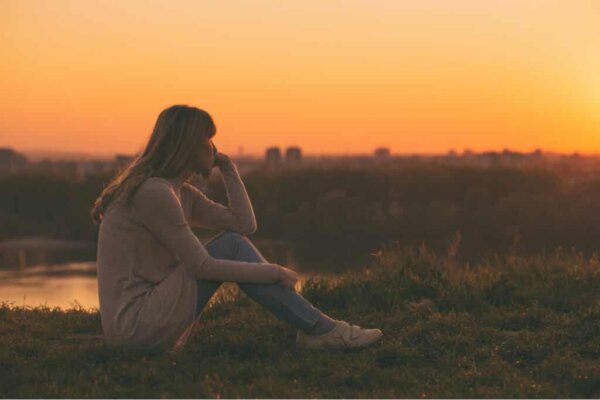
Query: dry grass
[(508, 327)]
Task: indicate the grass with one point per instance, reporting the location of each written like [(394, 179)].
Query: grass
[(509, 327)]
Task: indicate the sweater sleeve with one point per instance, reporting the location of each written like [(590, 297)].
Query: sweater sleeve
[(156, 206), (238, 216)]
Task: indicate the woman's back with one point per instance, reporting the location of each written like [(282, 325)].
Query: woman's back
[(135, 310)]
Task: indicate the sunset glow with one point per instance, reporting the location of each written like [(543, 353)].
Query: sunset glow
[(329, 76)]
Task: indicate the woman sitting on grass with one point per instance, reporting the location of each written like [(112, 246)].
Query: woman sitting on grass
[(154, 274)]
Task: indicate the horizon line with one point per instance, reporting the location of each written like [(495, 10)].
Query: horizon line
[(316, 154)]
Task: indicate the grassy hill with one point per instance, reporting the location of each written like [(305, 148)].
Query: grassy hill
[(508, 327)]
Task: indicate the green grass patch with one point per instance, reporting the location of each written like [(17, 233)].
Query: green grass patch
[(508, 327)]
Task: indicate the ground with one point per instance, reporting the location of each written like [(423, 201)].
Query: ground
[(509, 327)]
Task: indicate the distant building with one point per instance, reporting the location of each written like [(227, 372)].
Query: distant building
[(273, 156), (11, 162), (382, 153), (293, 155)]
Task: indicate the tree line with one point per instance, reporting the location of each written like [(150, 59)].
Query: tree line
[(469, 211)]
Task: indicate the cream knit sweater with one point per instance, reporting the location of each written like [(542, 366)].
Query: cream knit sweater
[(148, 258)]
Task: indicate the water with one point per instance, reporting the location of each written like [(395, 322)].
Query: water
[(64, 286)]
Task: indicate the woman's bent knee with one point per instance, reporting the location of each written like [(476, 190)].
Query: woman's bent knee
[(232, 234), (235, 236)]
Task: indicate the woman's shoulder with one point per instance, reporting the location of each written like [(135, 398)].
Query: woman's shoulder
[(157, 180), (154, 189), (155, 183)]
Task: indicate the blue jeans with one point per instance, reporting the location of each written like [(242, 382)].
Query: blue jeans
[(283, 302)]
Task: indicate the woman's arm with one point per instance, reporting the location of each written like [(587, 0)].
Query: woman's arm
[(156, 206), (238, 217)]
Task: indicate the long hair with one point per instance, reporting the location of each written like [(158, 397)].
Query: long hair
[(175, 140)]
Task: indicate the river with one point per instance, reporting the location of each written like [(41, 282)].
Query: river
[(64, 286)]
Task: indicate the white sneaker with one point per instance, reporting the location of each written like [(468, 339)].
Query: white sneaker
[(343, 335)]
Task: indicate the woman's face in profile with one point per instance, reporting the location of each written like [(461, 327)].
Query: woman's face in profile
[(206, 158)]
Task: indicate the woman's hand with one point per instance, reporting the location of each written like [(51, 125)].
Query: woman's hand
[(221, 160), (288, 277)]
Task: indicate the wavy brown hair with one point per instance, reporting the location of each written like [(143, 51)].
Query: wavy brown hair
[(177, 135)]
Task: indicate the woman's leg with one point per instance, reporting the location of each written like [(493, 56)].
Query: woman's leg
[(206, 289), (283, 302)]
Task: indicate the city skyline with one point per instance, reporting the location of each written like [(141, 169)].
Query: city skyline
[(40, 154)]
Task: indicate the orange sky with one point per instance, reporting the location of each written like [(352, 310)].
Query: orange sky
[(329, 76)]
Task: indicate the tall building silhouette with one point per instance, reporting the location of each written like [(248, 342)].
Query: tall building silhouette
[(273, 156), (293, 155)]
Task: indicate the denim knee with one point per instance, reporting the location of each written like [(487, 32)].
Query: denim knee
[(233, 233), (243, 247), (234, 236)]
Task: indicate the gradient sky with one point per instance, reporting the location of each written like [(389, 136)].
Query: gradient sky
[(330, 76)]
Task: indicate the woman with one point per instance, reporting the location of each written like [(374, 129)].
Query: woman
[(155, 276)]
